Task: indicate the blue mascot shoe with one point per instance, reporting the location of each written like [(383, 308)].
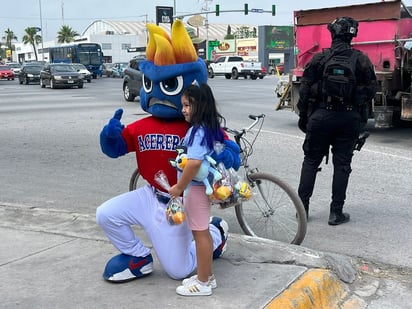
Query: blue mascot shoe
[(123, 268), (224, 232)]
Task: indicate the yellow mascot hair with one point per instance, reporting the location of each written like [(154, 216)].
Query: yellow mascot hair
[(163, 50)]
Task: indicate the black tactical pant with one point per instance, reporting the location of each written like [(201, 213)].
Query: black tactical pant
[(340, 130)]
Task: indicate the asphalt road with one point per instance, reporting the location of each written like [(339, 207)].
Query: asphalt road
[(51, 158)]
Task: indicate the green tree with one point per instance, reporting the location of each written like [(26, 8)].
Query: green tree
[(229, 35), (8, 39), (31, 37), (66, 34)]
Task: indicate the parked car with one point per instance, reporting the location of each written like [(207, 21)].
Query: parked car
[(281, 68), (6, 72), (15, 67), (107, 69), (132, 81), (60, 75), (30, 73), (118, 69), (278, 67), (87, 75), (263, 72), (233, 67)]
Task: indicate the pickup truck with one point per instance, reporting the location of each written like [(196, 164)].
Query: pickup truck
[(233, 67)]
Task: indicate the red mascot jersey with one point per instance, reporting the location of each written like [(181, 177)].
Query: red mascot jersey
[(154, 140)]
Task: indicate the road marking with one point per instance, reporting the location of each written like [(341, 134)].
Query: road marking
[(363, 149)]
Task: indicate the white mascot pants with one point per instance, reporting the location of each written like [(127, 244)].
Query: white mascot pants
[(173, 244)]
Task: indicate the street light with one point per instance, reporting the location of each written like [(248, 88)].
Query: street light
[(41, 33)]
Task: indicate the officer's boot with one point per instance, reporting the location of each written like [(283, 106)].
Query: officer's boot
[(339, 185), (336, 215)]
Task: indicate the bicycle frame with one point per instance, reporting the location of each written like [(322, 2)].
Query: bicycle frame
[(275, 211), (246, 147)]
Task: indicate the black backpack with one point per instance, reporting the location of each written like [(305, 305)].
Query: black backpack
[(338, 77)]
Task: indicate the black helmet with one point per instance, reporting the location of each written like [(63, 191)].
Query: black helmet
[(345, 27)]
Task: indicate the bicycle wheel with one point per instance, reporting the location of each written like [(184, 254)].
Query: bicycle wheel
[(136, 181), (275, 211)]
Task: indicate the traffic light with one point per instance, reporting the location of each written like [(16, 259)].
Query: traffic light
[(217, 9), (273, 10), (246, 9)]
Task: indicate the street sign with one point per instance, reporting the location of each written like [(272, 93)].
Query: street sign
[(257, 10), (164, 15)]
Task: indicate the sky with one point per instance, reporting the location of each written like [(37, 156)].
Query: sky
[(79, 14)]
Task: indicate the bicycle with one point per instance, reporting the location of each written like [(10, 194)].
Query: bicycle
[(275, 211)]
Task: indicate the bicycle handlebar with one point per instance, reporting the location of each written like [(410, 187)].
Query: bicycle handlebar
[(238, 133), (253, 117)]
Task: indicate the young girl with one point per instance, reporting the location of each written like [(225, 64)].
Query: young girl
[(199, 109)]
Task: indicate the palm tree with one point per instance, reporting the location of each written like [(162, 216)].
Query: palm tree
[(66, 34), (9, 38), (31, 37)]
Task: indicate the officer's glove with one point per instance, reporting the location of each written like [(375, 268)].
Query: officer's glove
[(303, 122), (111, 139)]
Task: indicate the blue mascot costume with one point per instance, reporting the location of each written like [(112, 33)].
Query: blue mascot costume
[(171, 66)]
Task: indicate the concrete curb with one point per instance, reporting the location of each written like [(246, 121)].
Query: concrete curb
[(316, 288), (289, 276)]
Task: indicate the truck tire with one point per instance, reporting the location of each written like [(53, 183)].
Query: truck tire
[(228, 76), (210, 73), (235, 73), (253, 77)]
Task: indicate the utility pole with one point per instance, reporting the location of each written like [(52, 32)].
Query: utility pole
[(206, 9), (62, 12), (41, 33)]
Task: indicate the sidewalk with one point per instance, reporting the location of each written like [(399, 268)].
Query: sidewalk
[(54, 259)]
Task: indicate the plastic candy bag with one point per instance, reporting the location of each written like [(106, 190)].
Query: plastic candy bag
[(174, 210), (240, 187), (223, 188), (231, 189)]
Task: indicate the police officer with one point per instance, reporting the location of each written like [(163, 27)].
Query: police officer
[(328, 121)]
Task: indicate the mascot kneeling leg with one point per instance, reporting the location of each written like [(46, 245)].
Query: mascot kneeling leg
[(123, 268), (171, 66)]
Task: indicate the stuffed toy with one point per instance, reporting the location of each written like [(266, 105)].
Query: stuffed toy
[(205, 170), (171, 66)]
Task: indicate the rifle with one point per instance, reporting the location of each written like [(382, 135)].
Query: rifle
[(361, 141), (358, 146)]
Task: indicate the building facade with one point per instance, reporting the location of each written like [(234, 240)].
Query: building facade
[(119, 40)]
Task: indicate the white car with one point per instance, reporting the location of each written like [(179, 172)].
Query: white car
[(87, 75), (15, 67)]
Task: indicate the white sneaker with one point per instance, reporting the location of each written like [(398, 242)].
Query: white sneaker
[(194, 289), (193, 279)]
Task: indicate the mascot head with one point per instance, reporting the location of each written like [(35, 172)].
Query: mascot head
[(171, 66)]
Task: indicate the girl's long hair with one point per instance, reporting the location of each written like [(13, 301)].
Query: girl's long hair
[(204, 114)]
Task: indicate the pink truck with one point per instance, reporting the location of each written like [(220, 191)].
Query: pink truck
[(385, 30)]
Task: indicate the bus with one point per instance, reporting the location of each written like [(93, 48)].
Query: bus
[(89, 54)]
